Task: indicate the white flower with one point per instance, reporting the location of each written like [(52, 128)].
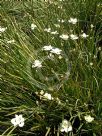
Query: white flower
[(73, 20), (11, 41), (65, 126), (95, 56), (73, 37), (51, 56), (57, 25), (61, 21), (56, 51), (37, 64), (54, 32), (84, 35), (60, 7), (2, 29), (47, 30), (47, 96), (60, 57), (58, 100), (88, 118), (41, 92), (18, 120), (99, 4), (33, 26), (64, 36), (99, 48), (91, 25), (91, 64), (36, 92), (61, 0), (52, 50), (47, 48)]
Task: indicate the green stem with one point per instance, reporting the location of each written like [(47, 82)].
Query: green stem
[(11, 131)]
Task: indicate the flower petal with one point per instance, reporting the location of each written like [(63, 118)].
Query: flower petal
[(69, 128), (62, 129), (14, 122), (21, 124)]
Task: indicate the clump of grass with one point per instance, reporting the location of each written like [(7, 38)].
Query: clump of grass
[(50, 68)]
